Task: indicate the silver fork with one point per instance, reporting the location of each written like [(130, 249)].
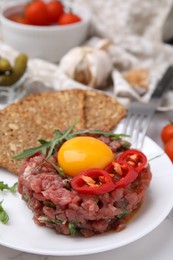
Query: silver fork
[(139, 114)]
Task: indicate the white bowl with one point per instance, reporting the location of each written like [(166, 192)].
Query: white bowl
[(45, 42)]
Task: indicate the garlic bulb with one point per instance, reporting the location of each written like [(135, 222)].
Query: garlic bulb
[(87, 65), (138, 78)]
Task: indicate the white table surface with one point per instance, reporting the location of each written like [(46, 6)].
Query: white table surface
[(157, 245)]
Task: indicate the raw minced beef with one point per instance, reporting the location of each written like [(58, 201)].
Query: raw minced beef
[(56, 205)]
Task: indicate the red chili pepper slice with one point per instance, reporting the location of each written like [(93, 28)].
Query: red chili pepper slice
[(93, 181), (127, 173), (134, 158)]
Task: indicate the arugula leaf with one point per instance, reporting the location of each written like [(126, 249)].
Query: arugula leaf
[(59, 170), (60, 137), (45, 145), (4, 186), (58, 132), (112, 135), (4, 218), (29, 152)]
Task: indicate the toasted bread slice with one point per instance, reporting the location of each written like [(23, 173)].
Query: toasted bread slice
[(102, 111), (36, 117)]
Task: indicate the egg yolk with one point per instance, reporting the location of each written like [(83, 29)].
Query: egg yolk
[(82, 153)]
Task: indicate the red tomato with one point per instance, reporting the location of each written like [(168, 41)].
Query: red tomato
[(37, 14), (55, 10), (167, 133), (68, 18), (169, 149), (19, 19)]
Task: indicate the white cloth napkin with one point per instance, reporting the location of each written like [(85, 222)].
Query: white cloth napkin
[(46, 76), (137, 29), (134, 30)]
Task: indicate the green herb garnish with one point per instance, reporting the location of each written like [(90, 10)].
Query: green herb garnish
[(60, 171), (25, 196), (125, 144), (4, 218), (4, 186), (3, 214), (121, 215), (59, 138), (72, 229), (49, 204), (44, 219)]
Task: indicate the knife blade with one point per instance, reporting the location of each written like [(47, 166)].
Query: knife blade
[(164, 84)]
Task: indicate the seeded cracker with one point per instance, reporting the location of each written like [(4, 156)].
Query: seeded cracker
[(102, 111), (36, 117)]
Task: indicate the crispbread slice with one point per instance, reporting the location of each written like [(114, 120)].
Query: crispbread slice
[(36, 117), (15, 137), (54, 110), (102, 111)]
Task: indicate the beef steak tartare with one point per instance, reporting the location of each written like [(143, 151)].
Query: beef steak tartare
[(95, 200)]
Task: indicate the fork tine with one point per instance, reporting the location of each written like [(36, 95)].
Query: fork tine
[(128, 124), (142, 135), (137, 130), (137, 122), (140, 114)]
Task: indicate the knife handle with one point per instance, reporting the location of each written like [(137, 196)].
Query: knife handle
[(164, 83)]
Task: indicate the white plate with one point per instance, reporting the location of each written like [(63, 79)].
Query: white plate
[(22, 234)]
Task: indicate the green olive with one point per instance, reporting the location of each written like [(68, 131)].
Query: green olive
[(20, 65), (4, 65)]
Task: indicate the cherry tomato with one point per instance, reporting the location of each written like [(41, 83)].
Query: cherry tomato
[(169, 149), (55, 10), (68, 18), (167, 133), (37, 14)]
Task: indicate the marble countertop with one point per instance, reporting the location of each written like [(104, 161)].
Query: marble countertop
[(157, 245)]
